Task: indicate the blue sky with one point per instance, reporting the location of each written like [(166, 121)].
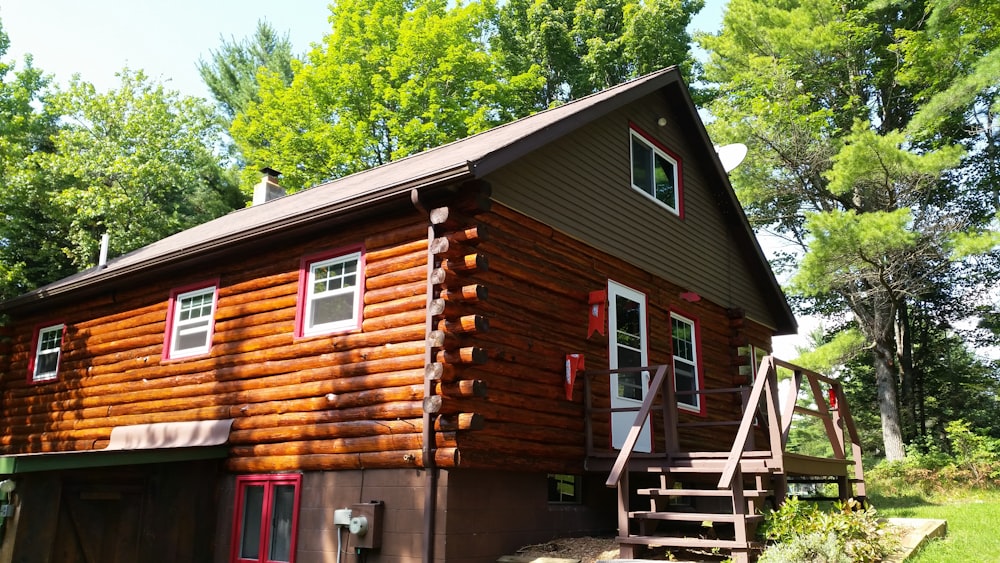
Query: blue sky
[(97, 38)]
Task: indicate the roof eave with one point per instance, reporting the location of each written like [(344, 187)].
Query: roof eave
[(447, 176)]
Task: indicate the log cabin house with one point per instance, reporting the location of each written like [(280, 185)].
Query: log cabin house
[(432, 360)]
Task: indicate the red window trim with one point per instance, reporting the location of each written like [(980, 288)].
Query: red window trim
[(268, 481), (680, 166), (303, 289), (33, 356), (171, 307), (702, 410)]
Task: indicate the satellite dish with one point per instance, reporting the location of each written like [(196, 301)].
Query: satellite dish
[(731, 155)]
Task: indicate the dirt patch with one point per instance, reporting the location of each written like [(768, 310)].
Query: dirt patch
[(593, 549), (586, 549)]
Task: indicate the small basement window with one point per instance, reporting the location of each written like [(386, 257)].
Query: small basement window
[(656, 172), (48, 350), (564, 489), (329, 294), (265, 523), (190, 321)]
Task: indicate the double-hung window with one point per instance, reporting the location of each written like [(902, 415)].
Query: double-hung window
[(190, 321), (684, 336), (329, 294), (48, 350), (656, 173), (266, 518)]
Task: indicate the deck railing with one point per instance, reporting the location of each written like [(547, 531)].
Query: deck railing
[(762, 399)]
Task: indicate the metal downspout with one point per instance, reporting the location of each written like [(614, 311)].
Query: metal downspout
[(428, 450)]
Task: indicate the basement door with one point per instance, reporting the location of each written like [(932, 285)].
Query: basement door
[(628, 347), (98, 524)]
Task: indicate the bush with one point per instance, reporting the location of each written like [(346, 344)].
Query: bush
[(974, 461), (816, 547), (850, 531)]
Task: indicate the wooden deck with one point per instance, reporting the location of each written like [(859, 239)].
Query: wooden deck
[(725, 488)]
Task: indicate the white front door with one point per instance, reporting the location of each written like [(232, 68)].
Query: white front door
[(628, 343)]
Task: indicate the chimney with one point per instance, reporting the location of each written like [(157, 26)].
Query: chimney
[(268, 188)]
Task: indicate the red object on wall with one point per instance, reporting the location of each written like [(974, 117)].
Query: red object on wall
[(574, 363), (690, 297), (833, 398), (598, 312)]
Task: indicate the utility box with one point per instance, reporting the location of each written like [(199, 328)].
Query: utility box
[(369, 536)]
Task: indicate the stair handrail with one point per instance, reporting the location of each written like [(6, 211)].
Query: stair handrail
[(766, 378), (640, 418)]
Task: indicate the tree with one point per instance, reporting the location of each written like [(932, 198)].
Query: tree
[(29, 251), (231, 72), (393, 78), (582, 46), (814, 89), (136, 162), (956, 60)]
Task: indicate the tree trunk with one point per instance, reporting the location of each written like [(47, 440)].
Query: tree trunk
[(904, 355), (885, 379)]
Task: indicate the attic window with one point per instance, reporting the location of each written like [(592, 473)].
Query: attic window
[(190, 321), (656, 172), (48, 349), (329, 293)]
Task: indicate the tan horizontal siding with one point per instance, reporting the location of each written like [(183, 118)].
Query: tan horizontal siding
[(581, 186)]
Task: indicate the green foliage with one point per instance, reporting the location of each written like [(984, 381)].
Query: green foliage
[(804, 532), (849, 249), (231, 72), (814, 546), (30, 252), (136, 162), (874, 211), (971, 461), (828, 357), (393, 78), (577, 47)]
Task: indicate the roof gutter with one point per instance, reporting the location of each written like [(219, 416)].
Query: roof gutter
[(450, 174)]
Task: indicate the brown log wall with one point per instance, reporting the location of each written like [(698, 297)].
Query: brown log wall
[(538, 283), (508, 301), (325, 402)]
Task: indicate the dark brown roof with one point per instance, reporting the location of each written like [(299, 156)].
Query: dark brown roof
[(472, 157)]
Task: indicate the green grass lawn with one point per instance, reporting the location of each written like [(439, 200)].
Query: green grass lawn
[(973, 524)]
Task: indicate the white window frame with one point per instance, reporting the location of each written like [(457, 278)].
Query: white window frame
[(693, 362), (42, 341), (637, 137), (311, 296), (180, 327)]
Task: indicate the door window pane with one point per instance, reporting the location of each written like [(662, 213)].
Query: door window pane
[(629, 338), (281, 523), (253, 506)]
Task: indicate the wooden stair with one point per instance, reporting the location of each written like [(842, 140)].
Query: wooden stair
[(692, 477), (721, 487)]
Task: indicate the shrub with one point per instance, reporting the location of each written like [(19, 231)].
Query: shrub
[(801, 527), (974, 461), (816, 547)]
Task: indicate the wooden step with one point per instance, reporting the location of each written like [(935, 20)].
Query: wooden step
[(694, 516), (655, 492), (675, 541)]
